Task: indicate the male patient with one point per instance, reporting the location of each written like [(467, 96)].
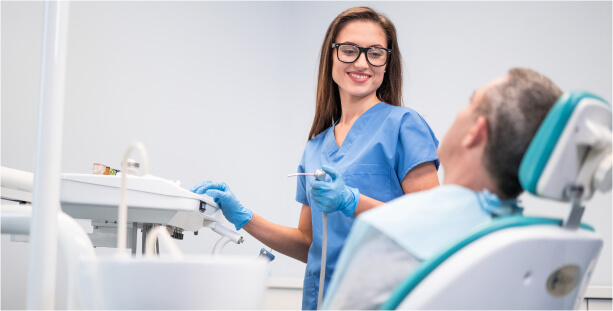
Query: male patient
[(480, 154)]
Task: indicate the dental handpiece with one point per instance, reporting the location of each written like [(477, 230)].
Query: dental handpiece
[(319, 174)]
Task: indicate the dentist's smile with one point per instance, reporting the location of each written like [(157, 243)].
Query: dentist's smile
[(358, 77)]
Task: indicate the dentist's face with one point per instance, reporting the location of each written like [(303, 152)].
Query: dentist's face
[(359, 79)]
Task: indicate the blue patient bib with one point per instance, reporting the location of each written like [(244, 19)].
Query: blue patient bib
[(424, 222)]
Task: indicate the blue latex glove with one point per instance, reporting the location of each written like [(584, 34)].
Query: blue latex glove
[(231, 208), (334, 196)]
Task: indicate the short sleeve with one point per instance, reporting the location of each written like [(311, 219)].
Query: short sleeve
[(301, 195), (416, 144)]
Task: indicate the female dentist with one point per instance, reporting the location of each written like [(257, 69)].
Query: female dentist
[(372, 149)]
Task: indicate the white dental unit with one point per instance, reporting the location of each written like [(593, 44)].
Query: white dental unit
[(151, 200), (152, 203), (115, 204)]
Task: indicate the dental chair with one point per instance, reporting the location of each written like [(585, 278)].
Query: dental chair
[(518, 262)]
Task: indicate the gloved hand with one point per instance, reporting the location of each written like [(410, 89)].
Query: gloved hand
[(334, 196), (231, 208)]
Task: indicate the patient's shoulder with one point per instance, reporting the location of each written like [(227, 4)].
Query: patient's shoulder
[(439, 196), (423, 207), (423, 222)]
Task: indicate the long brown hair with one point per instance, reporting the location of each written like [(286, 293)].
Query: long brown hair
[(328, 101)]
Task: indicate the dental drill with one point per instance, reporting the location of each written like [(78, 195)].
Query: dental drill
[(320, 175)]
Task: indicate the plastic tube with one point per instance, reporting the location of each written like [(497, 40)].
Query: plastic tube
[(232, 235), (46, 191), (227, 235), (73, 242), (16, 179), (220, 244), (122, 211), (324, 250), (160, 232), (320, 175), (15, 219)]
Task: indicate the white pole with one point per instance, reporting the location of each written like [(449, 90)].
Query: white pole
[(46, 192)]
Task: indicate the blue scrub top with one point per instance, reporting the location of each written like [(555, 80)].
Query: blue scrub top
[(382, 146)]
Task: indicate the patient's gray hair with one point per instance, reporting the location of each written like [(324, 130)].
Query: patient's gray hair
[(514, 110)]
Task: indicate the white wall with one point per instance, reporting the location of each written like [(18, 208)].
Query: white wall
[(225, 90)]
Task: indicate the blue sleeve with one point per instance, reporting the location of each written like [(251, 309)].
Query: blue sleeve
[(301, 195), (416, 144)]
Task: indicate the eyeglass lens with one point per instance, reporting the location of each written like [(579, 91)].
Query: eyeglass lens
[(350, 53)]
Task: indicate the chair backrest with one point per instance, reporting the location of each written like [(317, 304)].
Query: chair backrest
[(568, 148), (521, 262), (514, 262)]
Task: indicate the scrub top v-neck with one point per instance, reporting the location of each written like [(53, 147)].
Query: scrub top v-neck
[(381, 147)]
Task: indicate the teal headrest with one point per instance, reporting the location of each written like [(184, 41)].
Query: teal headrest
[(544, 142)]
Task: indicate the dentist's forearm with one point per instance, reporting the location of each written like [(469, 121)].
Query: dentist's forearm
[(292, 242), (365, 203)]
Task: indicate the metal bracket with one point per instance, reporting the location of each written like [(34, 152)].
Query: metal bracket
[(573, 220), (104, 234)]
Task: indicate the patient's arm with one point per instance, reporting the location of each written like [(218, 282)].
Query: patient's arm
[(377, 268)]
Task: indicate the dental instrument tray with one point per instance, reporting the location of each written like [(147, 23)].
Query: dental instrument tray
[(149, 199)]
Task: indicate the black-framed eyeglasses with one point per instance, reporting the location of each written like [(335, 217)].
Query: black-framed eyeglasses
[(349, 53)]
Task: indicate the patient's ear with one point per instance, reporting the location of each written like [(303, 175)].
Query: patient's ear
[(477, 134)]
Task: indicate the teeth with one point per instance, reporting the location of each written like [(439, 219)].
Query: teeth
[(358, 76)]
